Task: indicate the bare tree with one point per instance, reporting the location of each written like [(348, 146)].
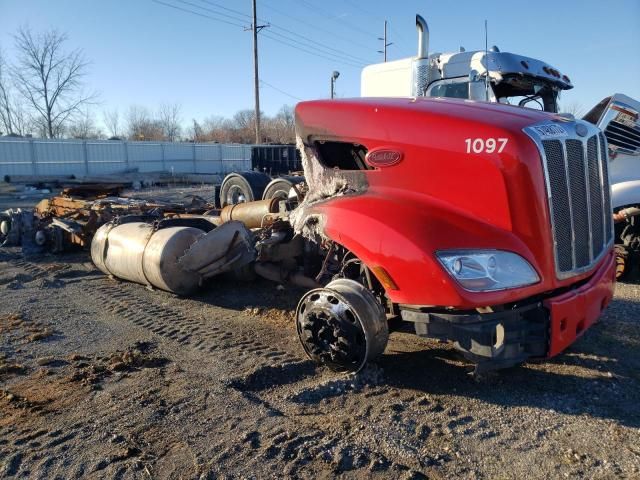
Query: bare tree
[(240, 128), (169, 120), (50, 79), (141, 126), (218, 129), (281, 128), (111, 119), (574, 108), (244, 126), (83, 126), (13, 119)]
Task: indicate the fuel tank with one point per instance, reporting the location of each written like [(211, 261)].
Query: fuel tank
[(135, 252)]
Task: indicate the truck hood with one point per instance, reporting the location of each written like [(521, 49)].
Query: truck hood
[(440, 195)]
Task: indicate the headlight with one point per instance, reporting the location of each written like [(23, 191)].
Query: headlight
[(487, 270)]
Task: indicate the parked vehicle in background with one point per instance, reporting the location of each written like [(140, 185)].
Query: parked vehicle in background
[(618, 117), (274, 172)]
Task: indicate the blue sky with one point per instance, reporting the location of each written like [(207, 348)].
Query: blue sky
[(145, 53)]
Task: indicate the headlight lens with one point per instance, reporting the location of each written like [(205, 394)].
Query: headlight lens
[(488, 270)]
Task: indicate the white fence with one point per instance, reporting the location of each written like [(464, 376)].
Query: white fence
[(24, 156)]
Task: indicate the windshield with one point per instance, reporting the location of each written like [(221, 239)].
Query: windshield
[(527, 92)]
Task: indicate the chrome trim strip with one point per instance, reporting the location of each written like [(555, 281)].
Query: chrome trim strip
[(587, 184), (547, 184), (610, 212), (573, 225), (604, 204)]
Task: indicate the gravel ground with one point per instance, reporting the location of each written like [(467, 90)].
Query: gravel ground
[(105, 379)]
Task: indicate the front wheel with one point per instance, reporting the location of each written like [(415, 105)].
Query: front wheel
[(342, 326)]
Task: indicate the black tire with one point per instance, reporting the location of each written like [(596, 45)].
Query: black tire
[(280, 187), (243, 187), (216, 196)]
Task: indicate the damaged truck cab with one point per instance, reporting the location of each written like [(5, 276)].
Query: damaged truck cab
[(483, 224)]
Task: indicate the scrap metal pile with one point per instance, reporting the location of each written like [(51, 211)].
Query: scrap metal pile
[(171, 246), (70, 220)]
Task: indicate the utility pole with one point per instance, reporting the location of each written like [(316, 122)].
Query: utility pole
[(256, 79), (486, 61), (384, 42), (334, 77)]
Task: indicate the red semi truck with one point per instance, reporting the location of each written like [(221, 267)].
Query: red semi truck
[(483, 224)]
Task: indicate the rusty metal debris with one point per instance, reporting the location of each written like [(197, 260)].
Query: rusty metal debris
[(71, 219)]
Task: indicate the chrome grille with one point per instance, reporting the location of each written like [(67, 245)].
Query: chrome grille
[(577, 182), (624, 137), (561, 212), (579, 202)]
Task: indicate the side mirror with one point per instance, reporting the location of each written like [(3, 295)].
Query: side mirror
[(473, 76)]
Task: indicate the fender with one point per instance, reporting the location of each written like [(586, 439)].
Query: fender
[(625, 193), (402, 235)]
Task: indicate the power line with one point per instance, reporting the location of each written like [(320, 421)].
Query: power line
[(279, 40), (228, 9), (233, 17), (310, 42), (281, 91), (353, 61), (316, 27), (331, 16), (323, 55), (199, 14), (370, 14), (311, 52), (399, 36)]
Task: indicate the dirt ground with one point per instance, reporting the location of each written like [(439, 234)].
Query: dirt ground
[(107, 379)]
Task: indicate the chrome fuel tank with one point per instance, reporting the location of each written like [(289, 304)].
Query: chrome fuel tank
[(138, 253)]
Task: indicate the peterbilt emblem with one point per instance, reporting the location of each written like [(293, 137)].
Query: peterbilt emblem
[(383, 157), (550, 130), (581, 130)]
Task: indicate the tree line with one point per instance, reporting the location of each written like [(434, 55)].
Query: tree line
[(43, 94)]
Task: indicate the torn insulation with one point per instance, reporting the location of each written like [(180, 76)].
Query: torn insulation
[(323, 184)]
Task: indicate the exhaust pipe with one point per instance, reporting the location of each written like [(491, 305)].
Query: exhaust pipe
[(420, 65), (423, 37)]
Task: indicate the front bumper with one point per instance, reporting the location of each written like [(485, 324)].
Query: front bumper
[(541, 327)]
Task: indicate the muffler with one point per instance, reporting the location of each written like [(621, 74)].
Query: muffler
[(175, 259)]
